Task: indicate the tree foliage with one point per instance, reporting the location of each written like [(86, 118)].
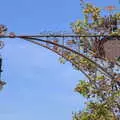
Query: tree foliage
[(102, 93)]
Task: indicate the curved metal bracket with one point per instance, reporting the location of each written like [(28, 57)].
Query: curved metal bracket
[(73, 51)]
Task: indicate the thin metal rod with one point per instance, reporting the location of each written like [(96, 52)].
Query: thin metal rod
[(57, 35)]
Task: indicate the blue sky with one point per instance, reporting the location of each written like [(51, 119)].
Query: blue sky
[(38, 87)]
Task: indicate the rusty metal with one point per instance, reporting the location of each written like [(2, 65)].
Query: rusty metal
[(62, 55), (69, 49), (62, 45), (54, 35), (56, 44)]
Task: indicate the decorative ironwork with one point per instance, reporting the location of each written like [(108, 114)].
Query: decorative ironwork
[(57, 44), (98, 50)]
